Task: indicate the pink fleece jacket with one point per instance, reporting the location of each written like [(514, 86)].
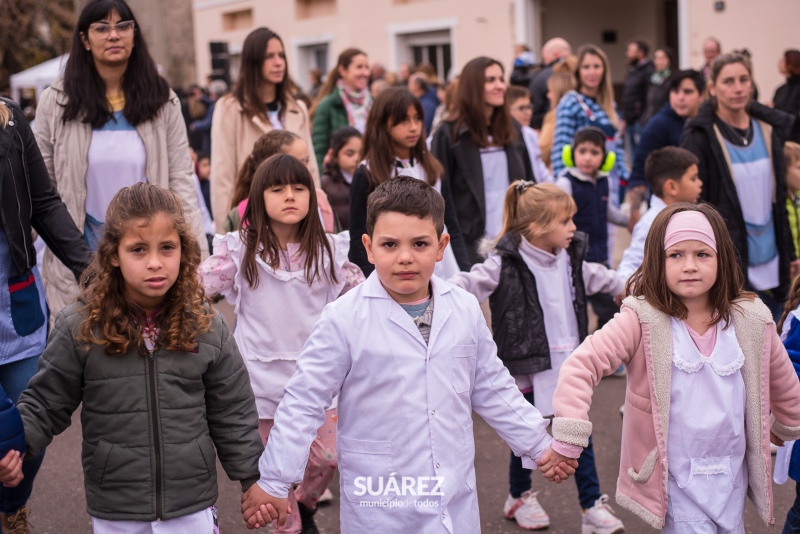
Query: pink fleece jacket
[(640, 337)]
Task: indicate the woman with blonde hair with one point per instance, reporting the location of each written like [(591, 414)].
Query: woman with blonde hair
[(591, 104), (561, 82)]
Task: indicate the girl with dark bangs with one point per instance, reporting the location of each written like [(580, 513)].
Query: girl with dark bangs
[(709, 382), (279, 271), (162, 384), (394, 145), (482, 150), (111, 96)]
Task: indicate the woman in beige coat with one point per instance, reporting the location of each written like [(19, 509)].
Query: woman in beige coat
[(112, 121), (261, 102)]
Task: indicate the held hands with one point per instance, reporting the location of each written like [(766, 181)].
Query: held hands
[(555, 467), (11, 469), (260, 508)]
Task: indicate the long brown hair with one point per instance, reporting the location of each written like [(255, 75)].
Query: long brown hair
[(605, 93), (792, 302), (539, 205), (650, 281), (246, 91), (389, 109), (269, 144), (469, 104), (344, 61), (109, 315), (258, 237)]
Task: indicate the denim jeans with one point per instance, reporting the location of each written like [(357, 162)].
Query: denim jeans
[(792, 525), (774, 305), (14, 378), (519, 478)]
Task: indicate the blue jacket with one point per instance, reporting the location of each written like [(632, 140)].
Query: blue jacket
[(792, 344), (663, 129), (11, 433), (429, 103), (592, 215)]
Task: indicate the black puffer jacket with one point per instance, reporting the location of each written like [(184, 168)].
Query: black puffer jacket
[(700, 138), (517, 316), (29, 199), (634, 92)]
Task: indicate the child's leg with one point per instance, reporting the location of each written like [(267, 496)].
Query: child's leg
[(321, 463), (792, 525), (292, 525), (586, 478), (519, 478)]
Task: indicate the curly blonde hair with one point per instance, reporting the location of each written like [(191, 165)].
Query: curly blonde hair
[(109, 316)]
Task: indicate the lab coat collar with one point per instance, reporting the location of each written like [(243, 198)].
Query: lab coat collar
[(396, 314)]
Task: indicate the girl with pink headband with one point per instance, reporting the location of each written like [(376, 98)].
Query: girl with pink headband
[(709, 382)]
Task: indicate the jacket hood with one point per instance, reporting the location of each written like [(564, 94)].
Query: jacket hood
[(779, 120)]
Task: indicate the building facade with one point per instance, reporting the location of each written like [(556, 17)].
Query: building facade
[(448, 33)]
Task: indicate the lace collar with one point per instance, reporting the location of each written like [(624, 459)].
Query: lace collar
[(726, 358)]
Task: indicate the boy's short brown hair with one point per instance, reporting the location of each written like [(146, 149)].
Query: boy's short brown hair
[(791, 151), (515, 92), (408, 196), (668, 163)]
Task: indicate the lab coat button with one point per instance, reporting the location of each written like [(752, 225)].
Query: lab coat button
[(433, 412), (437, 466)]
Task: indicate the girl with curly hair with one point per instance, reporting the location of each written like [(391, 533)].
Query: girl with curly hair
[(163, 386), (279, 271)]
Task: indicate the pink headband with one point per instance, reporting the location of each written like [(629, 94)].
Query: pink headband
[(689, 226)]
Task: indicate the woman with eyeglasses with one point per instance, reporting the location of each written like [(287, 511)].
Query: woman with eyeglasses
[(110, 122)]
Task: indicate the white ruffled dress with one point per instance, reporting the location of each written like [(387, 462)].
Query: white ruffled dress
[(706, 441), (275, 319)]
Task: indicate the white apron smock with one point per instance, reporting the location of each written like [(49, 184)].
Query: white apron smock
[(706, 442)]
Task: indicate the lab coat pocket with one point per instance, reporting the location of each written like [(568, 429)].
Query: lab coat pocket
[(366, 469), (709, 488), (463, 359), (469, 455)]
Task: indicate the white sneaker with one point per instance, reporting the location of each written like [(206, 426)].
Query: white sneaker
[(526, 511), (326, 496), (600, 519), (773, 449)]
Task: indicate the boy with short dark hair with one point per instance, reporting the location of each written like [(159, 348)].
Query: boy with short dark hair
[(586, 180), (672, 175), (410, 357)]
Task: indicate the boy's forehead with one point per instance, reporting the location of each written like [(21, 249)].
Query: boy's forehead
[(396, 223), (587, 143)]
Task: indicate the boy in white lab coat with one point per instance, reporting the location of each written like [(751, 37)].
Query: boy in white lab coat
[(411, 357)]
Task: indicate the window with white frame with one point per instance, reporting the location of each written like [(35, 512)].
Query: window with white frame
[(311, 54), (432, 47)]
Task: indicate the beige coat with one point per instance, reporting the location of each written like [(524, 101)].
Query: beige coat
[(233, 134), (65, 149)]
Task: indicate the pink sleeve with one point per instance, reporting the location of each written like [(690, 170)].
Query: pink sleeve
[(784, 389), (598, 356), (352, 275), (219, 270), (566, 449)]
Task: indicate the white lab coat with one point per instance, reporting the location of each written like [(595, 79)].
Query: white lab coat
[(405, 409)]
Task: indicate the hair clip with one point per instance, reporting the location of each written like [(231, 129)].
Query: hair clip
[(523, 185)]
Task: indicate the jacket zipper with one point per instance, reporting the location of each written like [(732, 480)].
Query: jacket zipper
[(151, 362), (19, 216)]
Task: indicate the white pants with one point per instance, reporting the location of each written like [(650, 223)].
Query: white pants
[(202, 522)]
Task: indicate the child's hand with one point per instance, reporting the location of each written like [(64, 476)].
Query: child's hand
[(11, 469), (260, 508), (555, 467), (775, 440)]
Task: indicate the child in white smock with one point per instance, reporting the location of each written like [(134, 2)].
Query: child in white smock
[(705, 368), (279, 272), (537, 283)]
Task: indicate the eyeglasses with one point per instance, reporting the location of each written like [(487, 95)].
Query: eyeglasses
[(528, 107), (102, 29)]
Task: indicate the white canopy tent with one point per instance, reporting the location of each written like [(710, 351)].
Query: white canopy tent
[(38, 77)]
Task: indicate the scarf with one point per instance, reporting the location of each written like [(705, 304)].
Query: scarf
[(657, 78), (357, 104)]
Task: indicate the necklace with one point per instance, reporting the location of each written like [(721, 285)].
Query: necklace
[(735, 131)]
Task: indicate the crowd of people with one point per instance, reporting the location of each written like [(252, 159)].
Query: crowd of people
[(355, 229)]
